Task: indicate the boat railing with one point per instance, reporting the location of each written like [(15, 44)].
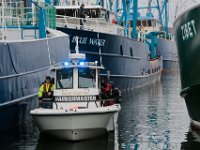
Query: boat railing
[(28, 15), (169, 36), (11, 28), (17, 22), (141, 36), (93, 24)]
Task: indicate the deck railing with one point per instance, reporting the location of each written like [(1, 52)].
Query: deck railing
[(93, 24), (16, 14)]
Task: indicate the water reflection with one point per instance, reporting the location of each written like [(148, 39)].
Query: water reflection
[(22, 137), (154, 117), (49, 143), (151, 117)]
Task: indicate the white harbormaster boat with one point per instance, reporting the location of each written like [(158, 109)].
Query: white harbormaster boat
[(78, 110)]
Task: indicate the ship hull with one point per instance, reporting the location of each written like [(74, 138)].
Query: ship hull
[(168, 50), (126, 59), (187, 33), (76, 124), (23, 67)]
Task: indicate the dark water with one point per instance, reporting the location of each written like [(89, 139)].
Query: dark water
[(152, 118)]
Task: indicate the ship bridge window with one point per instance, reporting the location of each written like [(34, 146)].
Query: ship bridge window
[(149, 23), (154, 23), (86, 78), (64, 79), (138, 23), (67, 12), (94, 13), (144, 23)]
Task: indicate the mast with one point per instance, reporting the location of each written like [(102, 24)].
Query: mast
[(116, 9), (134, 21), (3, 20), (149, 8), (166, 16)]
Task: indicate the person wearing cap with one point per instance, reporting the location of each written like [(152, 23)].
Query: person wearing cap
[(46, 89)]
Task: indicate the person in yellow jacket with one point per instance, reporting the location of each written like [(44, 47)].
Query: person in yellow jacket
[(46, 89)]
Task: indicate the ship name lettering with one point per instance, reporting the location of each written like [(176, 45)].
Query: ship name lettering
[(74, 98), (81, 40), (97, 42), (188, 30), (90, 41)]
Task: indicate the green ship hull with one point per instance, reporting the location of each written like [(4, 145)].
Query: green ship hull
[(187, 28)]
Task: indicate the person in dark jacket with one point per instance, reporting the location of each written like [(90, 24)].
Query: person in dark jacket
[(82, 15)]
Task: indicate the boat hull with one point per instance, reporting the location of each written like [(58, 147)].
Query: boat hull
[(75, 125), (132, 82), (125, 58), (168, 50), (187, 33), (23, 67)]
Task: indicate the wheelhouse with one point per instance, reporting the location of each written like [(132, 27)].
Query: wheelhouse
[(147, 25), (77, 78)]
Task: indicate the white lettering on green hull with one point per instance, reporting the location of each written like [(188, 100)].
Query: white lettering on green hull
[(188, 30)]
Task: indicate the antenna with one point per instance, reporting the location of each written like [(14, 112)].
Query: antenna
[(3, 20), (77, 47)]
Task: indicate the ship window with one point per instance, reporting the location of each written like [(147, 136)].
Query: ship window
[(86, 78), (149, 23), (153, 23), (144, 23), (138, 23), (64, 79), (149, 71), (131, 52), (121, 50)]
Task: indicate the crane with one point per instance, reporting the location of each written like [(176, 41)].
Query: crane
[(131, 11)]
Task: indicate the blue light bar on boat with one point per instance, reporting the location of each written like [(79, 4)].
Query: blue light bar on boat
[(66, 63), (82, 63)]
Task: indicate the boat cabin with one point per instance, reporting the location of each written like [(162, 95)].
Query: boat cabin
[(148, 24), (77, 84)]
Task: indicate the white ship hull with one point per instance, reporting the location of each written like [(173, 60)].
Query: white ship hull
[(77, 124)]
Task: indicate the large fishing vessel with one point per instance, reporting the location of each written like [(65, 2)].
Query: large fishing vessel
[(130, 62), (27, 50), (163, 12), (187, 37)]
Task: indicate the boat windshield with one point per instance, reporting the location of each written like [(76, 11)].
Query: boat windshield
[(86, 78), (64, 79)]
